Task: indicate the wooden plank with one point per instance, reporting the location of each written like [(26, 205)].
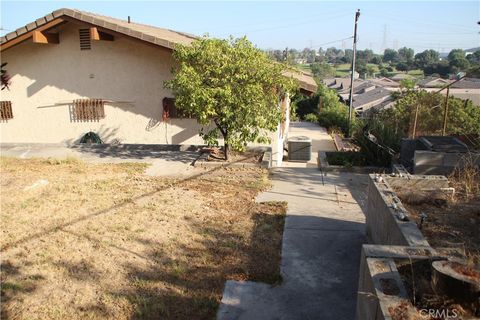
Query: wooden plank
[(45, 38), (26, 36), (98, 35)]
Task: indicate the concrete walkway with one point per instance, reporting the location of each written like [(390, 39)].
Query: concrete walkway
[(324, 231), (321, 140), (162, 162)]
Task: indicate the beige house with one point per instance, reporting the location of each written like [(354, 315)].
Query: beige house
[(74, 72)]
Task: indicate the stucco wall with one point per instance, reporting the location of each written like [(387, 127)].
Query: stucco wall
[(120, 70)]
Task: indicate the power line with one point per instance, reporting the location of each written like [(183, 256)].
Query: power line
[(417, 21), (290, 19), (330, 42), (285, 26)]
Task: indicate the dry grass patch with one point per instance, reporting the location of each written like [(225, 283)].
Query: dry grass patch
[(106, 241)]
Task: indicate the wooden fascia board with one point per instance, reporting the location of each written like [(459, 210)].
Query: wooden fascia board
[(26, 36)]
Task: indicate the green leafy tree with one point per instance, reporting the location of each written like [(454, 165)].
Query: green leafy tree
[(371, 70), (474, 72), (406, 55), (322, 70), (402, 66), (232, 84), (463, 116), (390, 55), (333, 113), (377, 59), (361, 68), (407, 85), (426, 58), (457, 60), (474, 58), (348, 57), (365, 55)]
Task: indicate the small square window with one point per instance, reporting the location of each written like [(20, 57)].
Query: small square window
[(170, 110)]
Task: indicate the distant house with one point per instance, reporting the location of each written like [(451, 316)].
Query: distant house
[(373, 98), (386, 83), (467, 88), (75, 72), (367, 94), (433, 82)]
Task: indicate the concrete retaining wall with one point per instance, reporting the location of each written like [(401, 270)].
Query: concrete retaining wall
[(383, 217)]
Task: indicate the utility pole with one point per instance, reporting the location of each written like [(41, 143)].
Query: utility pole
[(352, 78), (445, 113)]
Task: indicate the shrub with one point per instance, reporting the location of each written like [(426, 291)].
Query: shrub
[(333, 113), (376, 154), (334, 117), (346, 159), (311, 117), (304, 105)]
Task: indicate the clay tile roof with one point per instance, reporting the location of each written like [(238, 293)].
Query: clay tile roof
[(160, 36)]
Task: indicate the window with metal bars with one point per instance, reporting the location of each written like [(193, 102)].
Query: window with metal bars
[(170, 110), (6, 110), (88, 109), (85, 43)]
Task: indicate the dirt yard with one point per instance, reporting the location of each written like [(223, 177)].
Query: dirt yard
[(96, 241), (450, 220)]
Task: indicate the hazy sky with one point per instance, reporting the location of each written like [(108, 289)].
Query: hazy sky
[(440, 25)]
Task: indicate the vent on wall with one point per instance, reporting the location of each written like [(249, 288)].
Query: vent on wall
[(85, 43)]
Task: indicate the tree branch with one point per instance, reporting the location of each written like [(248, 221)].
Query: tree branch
[(222, 130)]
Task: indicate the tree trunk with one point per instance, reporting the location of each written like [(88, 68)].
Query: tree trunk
[(456, 280), (225, 150), (224, 132)]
